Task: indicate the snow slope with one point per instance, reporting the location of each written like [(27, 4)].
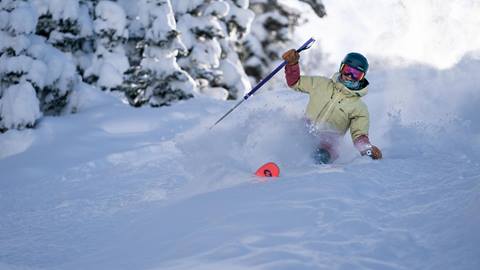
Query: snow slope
[(116, 187)]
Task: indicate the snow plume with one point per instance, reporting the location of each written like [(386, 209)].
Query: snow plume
[(259, 132), (422, 57), (438, 103), (431, 32)]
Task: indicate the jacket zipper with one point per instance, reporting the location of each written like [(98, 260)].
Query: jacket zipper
[(329, 108)]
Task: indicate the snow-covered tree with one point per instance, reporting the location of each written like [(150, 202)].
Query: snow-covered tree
[(155, 51), (154, 76), (59, 22), (68, 26), (209, 30), (238, 19), (109, 61), (35, 77), (317, 7), (272, 29), (199, 25), (238, 22)]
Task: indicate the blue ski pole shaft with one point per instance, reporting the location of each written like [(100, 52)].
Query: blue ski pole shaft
[(305, 46)]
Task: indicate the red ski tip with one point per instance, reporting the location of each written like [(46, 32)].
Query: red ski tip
[(269, 169)]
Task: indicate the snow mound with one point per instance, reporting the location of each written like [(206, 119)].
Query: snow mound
[(15, 142)]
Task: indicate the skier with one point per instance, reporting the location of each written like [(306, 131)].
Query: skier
[(334, 105)]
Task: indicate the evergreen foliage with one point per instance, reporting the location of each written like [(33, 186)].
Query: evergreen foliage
[(109, 60), (272, 29), (156, 52), (36, 78), (210, 30), (154, 76)]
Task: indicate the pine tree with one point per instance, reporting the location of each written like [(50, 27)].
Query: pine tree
[(109, 60), (317, 7), (237, 22), (210, 30), (36, 78), (14, 84), (154, 76), (271, 31), (68, 26), (201, 30), (60, 28)]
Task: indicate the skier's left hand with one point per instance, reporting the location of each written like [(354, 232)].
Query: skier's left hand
[(374, 152)]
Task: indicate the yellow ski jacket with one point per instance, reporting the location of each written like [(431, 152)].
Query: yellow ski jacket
[(334, 106)]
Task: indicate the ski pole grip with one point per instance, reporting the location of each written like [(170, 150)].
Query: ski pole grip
[(306, 45)]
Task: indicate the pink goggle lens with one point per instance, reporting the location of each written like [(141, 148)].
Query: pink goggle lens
[(356, 74)]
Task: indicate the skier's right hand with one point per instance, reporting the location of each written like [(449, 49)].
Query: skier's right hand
[(291, 56)]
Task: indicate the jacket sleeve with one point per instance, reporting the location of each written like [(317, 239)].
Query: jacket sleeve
[(303, 84), (306, 84), (362, 143), (360, 122), (292, 74)]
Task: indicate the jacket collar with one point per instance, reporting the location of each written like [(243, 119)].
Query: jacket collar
[(348, 92)]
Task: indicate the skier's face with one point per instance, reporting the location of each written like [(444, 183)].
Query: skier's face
[(347, 78)]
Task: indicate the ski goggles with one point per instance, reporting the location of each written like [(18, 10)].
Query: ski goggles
[(354, 73)]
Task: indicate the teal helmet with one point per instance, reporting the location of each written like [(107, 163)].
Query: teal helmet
[(357, 61)]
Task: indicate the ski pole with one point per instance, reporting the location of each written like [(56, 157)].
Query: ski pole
[(305, 46)]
